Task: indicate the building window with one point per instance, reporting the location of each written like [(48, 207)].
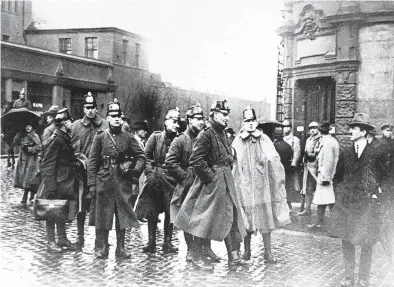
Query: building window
[(137, 54), (65, 45), (91, 50), (124, 51), (5, 37), (10, 6)]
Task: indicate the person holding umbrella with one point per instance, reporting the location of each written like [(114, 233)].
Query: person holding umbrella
[(28, 166)]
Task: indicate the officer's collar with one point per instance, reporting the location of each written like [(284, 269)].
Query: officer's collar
[(96, 121), (257, 133)]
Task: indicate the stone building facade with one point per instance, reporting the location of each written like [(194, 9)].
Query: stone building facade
[(59, 66), (338, 60)]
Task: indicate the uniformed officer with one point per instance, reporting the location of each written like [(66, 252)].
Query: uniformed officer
[(82, 135), (159, 186), (212, 209), (58, 175), (177, 161), (310, 167), (114, 160)]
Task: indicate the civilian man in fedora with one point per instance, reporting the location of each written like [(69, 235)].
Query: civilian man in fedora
[(356, 215)]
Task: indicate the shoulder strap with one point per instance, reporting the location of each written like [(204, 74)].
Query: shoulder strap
[(112, 139)]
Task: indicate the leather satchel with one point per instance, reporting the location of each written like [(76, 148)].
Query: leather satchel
[(50, 209)]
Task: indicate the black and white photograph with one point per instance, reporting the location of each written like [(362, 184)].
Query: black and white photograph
[(197, 143)]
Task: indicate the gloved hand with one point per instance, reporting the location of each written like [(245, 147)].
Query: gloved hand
[(293, 168), (50, 194), (25, 148), (325, 183)]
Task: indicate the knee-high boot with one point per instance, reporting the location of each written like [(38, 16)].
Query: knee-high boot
[(150, 247), (168, 227), (207, 251), (52, 246), (321, 210), (247, 240), (233, 254), (104, 250), (267, 249), (120, 249), (197, 259), (81, 229), (25, 195), (62, 236)]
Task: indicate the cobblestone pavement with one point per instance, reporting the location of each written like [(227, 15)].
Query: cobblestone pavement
[(304, 259)]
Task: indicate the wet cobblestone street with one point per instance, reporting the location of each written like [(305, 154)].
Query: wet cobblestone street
[(304, 259)]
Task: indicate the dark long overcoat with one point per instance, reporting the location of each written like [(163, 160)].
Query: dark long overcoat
[(113, 189), (177, 161), (82, 134), (159, 186), (28, 166), (211, 205), (357, 211), (58, 170)]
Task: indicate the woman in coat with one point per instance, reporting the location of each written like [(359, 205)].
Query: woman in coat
[(28, 167), (260, 184)]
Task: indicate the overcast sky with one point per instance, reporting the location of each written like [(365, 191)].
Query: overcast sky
[(220, 46)]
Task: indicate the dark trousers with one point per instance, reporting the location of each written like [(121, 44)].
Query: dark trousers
[(349, 258)]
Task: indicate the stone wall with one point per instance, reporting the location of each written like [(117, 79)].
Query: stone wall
[(375, 94)]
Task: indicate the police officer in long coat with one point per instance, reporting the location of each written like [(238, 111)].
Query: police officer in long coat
[(177, 161), (156, 195), (114, 160), (356, 214), (58, 179), (211, 208), (82, 135), (310, 167)]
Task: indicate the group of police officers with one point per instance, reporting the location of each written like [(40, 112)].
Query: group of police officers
[(101, 168)]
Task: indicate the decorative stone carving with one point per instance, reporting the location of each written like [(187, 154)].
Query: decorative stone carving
[(310, 21), (346, 108), (346, 92), (346, 77)]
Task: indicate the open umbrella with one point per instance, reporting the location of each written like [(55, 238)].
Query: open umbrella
[(16, 119), (268, 126)]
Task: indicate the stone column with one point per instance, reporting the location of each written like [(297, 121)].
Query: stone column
[(8, 90), (57, 96), (346, 103)]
